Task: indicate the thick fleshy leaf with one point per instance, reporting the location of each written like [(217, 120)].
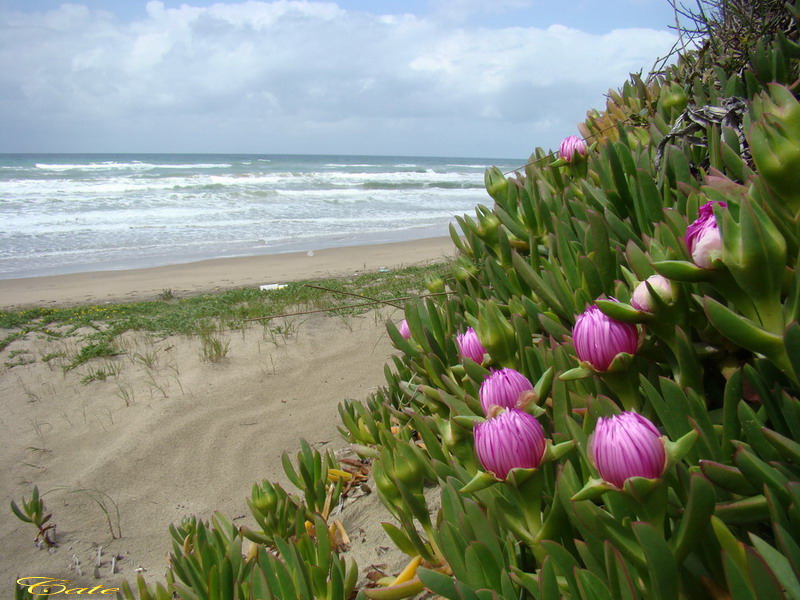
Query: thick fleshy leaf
[(679, 270), (727, 477), (437, 582), (760, 473), (779, 565), (482, 480), (693, 525), (740, 330), (738, 584), (661, 567)]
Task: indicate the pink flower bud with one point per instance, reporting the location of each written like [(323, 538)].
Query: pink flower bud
[(643, 300), (571, 146), (512, 439), (403, 329), (627, 445), (599, 338), (470, 346), (503, 388), (703, 238)]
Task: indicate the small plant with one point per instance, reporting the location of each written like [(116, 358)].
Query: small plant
[(125, 392), (166, 294), (149, 359), (20, 357), (11, 337), (32, 396), (33, 511), (98, 375), (278, 513), (212, 348), (51, 355), (318, 476), (90, 351), (108, 506)]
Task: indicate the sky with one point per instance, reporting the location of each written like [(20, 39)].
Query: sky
[(463, 78)]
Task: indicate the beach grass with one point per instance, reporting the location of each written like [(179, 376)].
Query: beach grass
[(101, 324)]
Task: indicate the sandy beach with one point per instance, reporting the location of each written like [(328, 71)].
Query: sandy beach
[(97, 287), (173, 436)]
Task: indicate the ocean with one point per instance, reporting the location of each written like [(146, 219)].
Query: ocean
[(68, 213)]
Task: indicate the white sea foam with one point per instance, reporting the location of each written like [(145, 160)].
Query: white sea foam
[(134, 166), (81, 212), (349, 165)]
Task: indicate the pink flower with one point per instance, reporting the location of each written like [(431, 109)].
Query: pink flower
[(503, 388), (643, 300), (627, 445), (512, 439), (470, 346), (599, 339), (403, 329), (571, 146), (703, 237)]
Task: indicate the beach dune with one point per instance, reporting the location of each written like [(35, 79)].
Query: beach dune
[(120, 459)]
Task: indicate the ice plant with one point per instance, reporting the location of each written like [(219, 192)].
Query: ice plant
[(599, 339), (643, 300), (627, 445), (703, 238), (572, 146), (512, 439), (497, 335), (404, 330), (503, 388), (470, 346)]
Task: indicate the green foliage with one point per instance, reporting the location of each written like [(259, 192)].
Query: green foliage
[(33, 511), (230, 309), (717, 368), (311, 477), (212, 347), (92, 350)]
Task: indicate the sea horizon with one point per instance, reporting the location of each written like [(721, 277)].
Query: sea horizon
[(521, 161), (67, 212)]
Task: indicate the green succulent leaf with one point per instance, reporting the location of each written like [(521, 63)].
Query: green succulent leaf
[(662, 569)]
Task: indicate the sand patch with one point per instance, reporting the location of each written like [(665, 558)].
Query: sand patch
[(157, 433)]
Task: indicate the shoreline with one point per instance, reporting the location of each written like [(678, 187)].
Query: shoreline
[(215, 275)]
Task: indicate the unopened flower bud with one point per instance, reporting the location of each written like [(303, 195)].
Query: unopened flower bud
[(571, 148), (264, 497), (503, 388), (627, 445), (599, 339), (464, 271), (672, 99), (385, 485), (643, 300), (487, 228), (703, 238), (513, 439), (435, 285), (496, 183), (470, 346), (496, 333), (403, 329)]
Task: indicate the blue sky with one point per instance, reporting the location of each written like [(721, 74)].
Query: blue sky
[(476, 78)]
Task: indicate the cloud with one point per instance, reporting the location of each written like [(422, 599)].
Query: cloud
[(461, 10), (305, 76)]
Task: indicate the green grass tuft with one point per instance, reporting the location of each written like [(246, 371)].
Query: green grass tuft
[(90, 351), (229, 310)]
